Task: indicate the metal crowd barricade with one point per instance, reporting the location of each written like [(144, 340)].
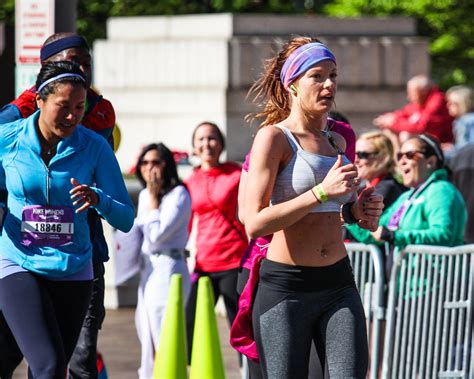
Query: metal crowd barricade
[(368, 268), (430, 314)]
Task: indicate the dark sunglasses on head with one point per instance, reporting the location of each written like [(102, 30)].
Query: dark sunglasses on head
[(366, 154), (409, 154), (154, 162)]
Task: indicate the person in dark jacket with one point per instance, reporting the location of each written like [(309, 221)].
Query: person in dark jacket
[(376, 165), (462, 170)]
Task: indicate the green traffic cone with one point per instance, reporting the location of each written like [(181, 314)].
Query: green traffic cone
[(206, 356), (171, 358)]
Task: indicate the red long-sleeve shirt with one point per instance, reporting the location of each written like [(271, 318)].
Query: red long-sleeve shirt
[(431, 117), (221, 239)]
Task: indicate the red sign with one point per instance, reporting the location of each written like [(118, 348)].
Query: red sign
[(34, 22)]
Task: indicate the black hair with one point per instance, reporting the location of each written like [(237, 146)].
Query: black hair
[(52, 69), (431, 146), (220, 136), (170, 171)]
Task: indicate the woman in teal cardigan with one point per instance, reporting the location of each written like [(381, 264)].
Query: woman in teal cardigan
[(431, 213)]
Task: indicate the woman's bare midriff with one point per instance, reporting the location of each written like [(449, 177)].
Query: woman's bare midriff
[(315, 240)]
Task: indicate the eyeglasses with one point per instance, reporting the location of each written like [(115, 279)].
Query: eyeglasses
[(154, 162), (366, 154), (409, 154)]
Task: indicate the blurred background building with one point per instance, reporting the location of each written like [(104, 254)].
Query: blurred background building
[(165, 74)]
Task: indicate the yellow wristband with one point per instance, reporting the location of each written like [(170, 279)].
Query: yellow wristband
[(320, 193)]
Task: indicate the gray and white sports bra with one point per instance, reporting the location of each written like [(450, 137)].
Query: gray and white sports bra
[(303, 172)]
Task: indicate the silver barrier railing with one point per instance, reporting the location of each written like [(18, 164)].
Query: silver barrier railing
[(368, 268), (430, 314)]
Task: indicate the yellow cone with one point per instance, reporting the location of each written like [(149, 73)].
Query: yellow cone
[(206, 357), (171, 360)]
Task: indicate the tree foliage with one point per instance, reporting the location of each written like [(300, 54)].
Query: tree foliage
[(7, 8), (92, 14), (448, 24)]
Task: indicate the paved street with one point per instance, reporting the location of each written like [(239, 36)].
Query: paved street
[(121, 350)]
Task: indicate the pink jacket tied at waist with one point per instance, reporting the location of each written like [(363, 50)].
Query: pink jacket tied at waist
[(241, 333)]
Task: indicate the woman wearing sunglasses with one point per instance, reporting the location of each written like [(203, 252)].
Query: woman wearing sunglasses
[(375, 164), (432, 212), (164, 210)]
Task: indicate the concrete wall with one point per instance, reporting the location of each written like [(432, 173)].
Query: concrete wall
[(165, 74)]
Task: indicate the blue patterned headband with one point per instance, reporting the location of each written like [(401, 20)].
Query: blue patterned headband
[(302, 59)]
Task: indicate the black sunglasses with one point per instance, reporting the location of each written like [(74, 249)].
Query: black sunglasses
[(409, 154), (366, 154), (153, 162)]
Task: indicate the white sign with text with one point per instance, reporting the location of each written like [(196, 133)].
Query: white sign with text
[(34, 22)]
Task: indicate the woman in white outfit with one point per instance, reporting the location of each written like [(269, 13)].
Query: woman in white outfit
[(164, 210)]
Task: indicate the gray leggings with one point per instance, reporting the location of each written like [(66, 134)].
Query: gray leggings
[(296, 305)]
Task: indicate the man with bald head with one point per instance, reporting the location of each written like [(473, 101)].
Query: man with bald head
[(99, 116), (426, 112)]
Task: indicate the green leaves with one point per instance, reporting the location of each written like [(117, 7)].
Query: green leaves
[(447, 23), (7, 11)]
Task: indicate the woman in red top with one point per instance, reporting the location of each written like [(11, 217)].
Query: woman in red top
[(221, 239)]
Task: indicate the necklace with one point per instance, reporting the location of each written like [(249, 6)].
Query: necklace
[(48, 151), (320, 132)]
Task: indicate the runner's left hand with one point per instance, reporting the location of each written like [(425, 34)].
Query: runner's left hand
[(368, 208), (83, 196)]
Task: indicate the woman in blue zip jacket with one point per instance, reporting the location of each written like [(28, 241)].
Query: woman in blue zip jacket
[(55, 170)]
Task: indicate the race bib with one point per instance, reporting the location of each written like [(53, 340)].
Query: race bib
[(47, 226)]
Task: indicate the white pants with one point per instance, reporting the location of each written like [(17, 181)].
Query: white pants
[(152, 299)]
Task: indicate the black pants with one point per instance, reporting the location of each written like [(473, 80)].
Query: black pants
[(45, 317), (296, 305), (83, 363), (10, 354), (223, 283), (254, 369)]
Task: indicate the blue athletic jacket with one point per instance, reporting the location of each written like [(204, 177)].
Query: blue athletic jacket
[(85, 156), (99, 117)]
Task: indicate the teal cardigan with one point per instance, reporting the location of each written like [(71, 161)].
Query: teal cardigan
[(436, 217)]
